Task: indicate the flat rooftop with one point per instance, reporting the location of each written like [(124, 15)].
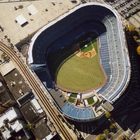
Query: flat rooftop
[(16, 84), (41, 130), (58, 97), (31, 113), (5, 97), (22, 19)]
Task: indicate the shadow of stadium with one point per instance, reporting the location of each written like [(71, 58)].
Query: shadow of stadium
[(93, 127)]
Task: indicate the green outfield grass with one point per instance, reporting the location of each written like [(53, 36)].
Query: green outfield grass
[(81, 74)]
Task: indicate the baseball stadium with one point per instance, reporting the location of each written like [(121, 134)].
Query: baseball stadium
[(82, 59)]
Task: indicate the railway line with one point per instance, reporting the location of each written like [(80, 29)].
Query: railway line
[(65, 132)]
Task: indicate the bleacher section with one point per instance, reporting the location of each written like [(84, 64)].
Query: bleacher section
[(78, 113), (113, 61)]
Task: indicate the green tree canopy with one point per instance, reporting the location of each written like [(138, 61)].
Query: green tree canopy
[(107, 115), (106, 132), (130, 28), (100, 137)]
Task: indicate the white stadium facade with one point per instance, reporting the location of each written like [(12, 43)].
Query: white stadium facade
[(106, 23)]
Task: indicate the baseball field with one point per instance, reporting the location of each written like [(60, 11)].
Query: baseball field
[(82, 71)]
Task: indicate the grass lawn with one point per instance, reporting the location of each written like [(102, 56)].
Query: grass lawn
[(81, 74), (90, 100), (72, 100), (74, 95)]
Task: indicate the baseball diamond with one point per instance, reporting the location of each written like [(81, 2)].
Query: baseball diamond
[(81, 72)]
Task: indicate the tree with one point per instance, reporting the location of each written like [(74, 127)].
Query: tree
[(100, 137), (138, 50), (113, 127), (106, 132), (5, 57), (130, 28), (30, 126), (107, 115)]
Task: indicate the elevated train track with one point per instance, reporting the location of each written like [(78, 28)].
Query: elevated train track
[(65, 132)]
